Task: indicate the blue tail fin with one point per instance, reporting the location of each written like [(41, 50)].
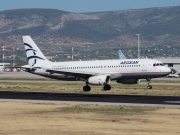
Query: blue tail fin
[(121, 55)]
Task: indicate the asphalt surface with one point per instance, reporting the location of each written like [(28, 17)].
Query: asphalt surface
[(86, 97)]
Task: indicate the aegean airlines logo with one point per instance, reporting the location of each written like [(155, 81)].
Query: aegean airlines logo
[(34, 56), (129, 62)]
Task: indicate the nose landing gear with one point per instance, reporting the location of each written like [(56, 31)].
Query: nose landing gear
[(149, 81)]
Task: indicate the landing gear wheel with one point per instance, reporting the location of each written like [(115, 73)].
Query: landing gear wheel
[(149, 87), (107, 87), (86, 88)]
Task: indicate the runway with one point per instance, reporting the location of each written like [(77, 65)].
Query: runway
[(46, 97)]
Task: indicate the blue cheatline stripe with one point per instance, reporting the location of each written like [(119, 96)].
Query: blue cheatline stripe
[(35, 57), (28, 45), (30, 50)]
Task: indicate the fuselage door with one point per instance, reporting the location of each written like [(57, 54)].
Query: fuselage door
[(103, 67), (144, 66)]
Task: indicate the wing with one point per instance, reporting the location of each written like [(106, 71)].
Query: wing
[(80, 74)]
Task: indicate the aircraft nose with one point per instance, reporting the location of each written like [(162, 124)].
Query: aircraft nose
[(168, 70)]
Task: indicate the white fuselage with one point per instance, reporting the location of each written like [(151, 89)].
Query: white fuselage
[(130, 68)]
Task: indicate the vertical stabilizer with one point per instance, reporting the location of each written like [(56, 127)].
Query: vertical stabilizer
[(121, 55), (34, 55)]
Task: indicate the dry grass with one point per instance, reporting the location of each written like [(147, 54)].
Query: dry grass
[(28, 118)]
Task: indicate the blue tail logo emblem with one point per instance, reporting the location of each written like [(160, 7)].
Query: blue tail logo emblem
[(35, 57)]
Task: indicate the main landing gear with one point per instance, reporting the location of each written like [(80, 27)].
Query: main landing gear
[(107, 87), (149, 86), (88, 88)]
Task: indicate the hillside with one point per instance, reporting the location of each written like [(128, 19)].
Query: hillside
[(159, 27), (153, 24)]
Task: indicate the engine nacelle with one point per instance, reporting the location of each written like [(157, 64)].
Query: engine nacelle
[(128, 81), (99, 80)]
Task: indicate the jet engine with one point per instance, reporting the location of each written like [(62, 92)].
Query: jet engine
[(99, 80), (128, 81)]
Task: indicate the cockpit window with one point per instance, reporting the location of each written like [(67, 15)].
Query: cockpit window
[(158, 64), (161, 64)]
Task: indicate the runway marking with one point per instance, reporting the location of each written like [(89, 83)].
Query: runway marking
[(174, 102)]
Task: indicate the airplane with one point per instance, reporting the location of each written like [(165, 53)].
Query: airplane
[(2, 65), (121, 55), (99, 72)]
